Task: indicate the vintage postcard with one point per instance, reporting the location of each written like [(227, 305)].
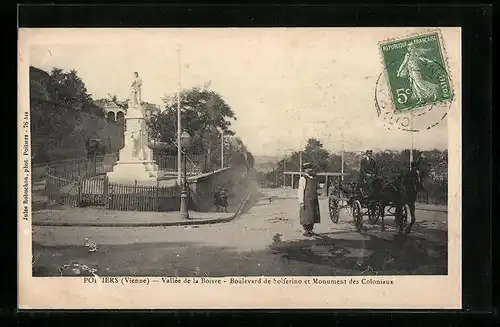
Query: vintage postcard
[(240, 168)]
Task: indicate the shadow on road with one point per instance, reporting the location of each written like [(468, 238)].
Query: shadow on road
[(336, 253), (390, 254), (158, 259)]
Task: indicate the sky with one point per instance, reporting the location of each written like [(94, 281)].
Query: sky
[(284, 85)]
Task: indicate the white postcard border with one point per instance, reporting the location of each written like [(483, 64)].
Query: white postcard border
[(415, 292)]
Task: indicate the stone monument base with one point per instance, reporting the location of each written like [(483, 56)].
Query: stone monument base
[(140, 170)]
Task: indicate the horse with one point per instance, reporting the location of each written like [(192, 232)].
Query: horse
[(402, 191)]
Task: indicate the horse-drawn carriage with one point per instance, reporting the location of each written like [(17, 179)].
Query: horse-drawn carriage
[(388, 198)]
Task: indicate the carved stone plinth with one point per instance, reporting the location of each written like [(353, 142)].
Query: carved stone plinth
[(135, 158)]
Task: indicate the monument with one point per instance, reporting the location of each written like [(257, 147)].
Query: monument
[(135, 161)]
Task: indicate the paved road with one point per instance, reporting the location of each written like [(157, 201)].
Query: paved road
[(249, 246)]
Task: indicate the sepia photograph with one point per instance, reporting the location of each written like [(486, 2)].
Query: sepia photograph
[(300, 158)]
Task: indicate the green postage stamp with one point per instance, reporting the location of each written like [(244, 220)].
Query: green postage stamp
[(416, 71)]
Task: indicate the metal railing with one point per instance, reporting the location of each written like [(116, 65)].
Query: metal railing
[(62, 191), (99, 165), (169, 164), (78, 168)]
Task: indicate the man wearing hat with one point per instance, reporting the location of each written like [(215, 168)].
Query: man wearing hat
[(308, 199), (367, 172)]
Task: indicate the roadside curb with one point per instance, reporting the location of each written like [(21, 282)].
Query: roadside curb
[(324, 197), (428, 209), (190, 222)]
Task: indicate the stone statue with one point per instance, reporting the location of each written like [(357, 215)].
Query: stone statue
[(136, 158), (136, 89)]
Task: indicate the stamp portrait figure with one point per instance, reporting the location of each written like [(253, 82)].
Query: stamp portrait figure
[(421, 90)]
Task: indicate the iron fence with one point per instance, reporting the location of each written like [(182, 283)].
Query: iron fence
[(99, 165), (169, 164), (83, 182), (94, 191), (63, 191), (98, 191), (85, 167), (123, 197)]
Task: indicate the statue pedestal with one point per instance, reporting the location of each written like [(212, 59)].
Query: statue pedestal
[(139, 170), (136, 158)]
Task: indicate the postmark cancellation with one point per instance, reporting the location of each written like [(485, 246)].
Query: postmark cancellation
[(415, 81)]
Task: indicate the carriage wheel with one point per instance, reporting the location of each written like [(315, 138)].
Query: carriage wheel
[(334, 211), (357, 215)]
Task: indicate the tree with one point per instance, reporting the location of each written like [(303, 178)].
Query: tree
[(435, 161), (313, 144), (121, 104), (317, 155), (205, 114), (335, 163), (250, 160), (391, 163), (63, 112), (239, 154), (68, 88)]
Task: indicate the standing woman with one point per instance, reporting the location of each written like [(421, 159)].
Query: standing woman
[(308, 199)]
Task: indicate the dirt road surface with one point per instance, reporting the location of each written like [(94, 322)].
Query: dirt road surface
[(265, 240)]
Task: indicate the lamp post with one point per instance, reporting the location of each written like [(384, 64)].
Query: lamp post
[(342, 158), (300, 159), (284, 170), (179, 122), (221, 148), (412, 145), (285, 161), (185, 143)]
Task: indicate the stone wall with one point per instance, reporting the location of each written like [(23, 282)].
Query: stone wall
[(59, 132), (234, 179)]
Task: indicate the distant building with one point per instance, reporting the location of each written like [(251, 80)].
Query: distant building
[(112, 111), (116, 113)]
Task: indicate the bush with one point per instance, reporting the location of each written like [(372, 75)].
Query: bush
[(438, 191)]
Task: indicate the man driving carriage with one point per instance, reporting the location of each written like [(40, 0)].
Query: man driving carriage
[(367, 173)]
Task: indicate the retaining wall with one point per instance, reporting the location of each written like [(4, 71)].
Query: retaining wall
[(59, 132), (234, 179)]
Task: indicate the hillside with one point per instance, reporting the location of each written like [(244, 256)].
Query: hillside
[(265, 167), (266, 159), (59, 129), (266, 163)]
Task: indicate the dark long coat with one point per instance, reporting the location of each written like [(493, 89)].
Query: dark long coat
[(310, 214), (367, 167)]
